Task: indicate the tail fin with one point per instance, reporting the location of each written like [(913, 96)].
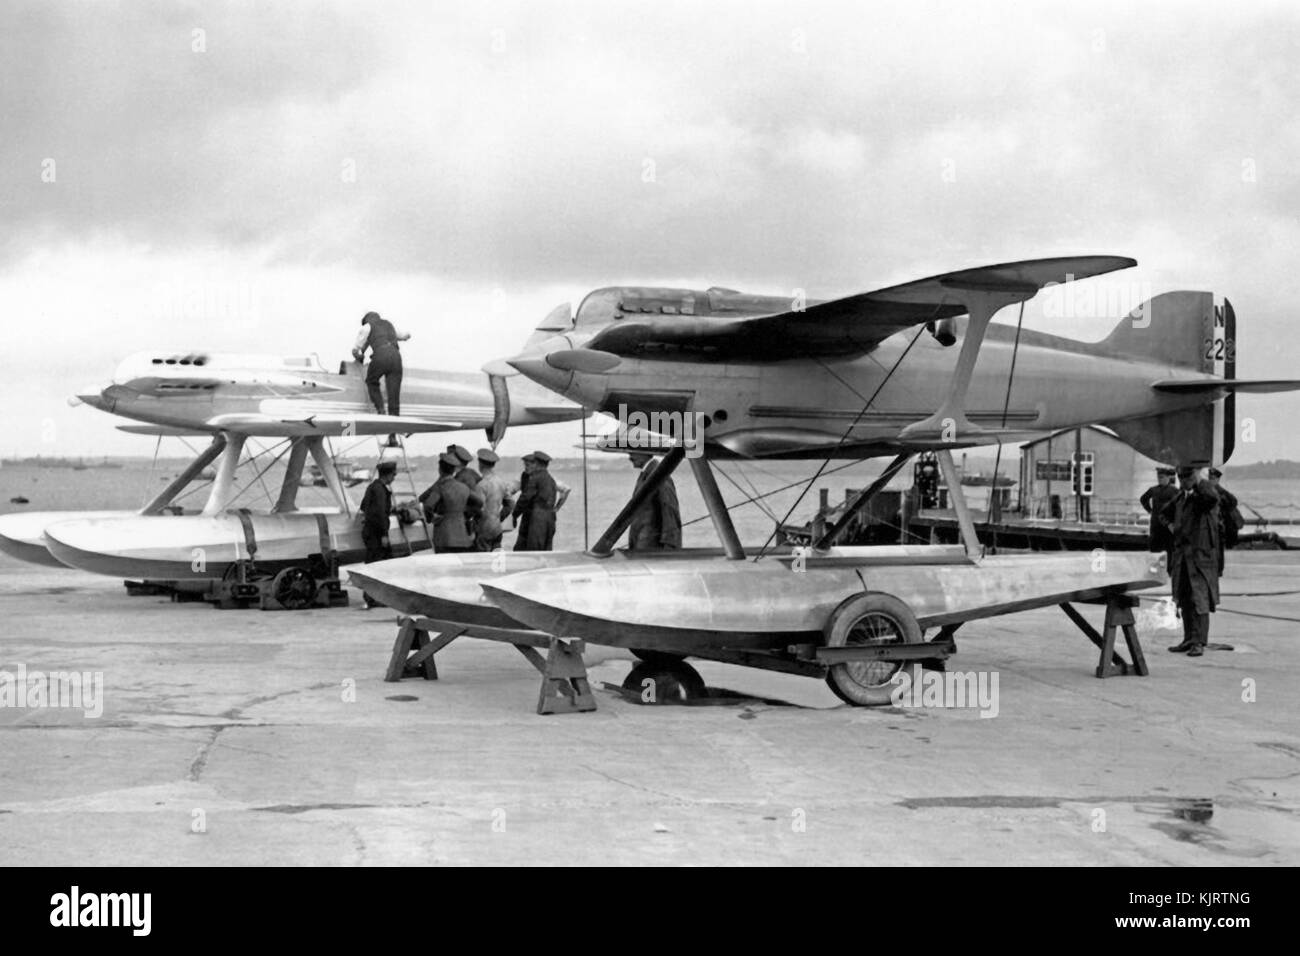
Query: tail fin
[(1186, 331), (1175, 328)]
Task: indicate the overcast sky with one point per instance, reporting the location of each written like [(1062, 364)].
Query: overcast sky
[(254, 177)]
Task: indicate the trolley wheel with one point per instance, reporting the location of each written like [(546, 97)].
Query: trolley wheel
[(294, 588), (657, 657), (666, 682), (870, 618)]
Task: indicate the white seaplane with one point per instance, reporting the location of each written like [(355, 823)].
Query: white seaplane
[(232, 398)]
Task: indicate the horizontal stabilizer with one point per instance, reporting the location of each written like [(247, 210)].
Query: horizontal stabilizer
[(1194, 385)]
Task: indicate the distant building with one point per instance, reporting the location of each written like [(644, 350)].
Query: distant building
[(1083, 474)]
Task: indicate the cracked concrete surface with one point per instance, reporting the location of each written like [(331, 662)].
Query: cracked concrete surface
[(243, 737)]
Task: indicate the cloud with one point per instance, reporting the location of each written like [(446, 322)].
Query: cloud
[(434, 154)]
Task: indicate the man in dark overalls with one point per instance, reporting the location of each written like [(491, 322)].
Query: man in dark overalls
[(376, 509), (1230, 521), (1153, 501), (535, 508), (1193, 519), (381, 337), (657, 524)]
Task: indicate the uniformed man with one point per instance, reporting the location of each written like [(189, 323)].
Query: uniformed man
[(1193, 520), (381, 337), (470, 479), (1230, 520), (1153, 501), (657, 524), (497, 502), (376, 511), (464, 473), (444, 504), (535, 509)]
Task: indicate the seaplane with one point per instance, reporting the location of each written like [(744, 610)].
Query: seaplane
[(911, 368), (297, 404)]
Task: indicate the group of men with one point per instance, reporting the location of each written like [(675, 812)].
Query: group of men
[(467, 509), (1193, 523)]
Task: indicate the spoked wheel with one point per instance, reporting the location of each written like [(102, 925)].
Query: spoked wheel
[(868, 619), (666, 682), (294, 588)]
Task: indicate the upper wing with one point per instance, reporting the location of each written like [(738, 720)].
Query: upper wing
[(851, 325)]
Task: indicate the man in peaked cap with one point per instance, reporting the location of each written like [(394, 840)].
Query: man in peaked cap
[(1193, 520), (445, 503), (1230, 519), (376, 509), (497, 501), (1153, 501), (535, 509)]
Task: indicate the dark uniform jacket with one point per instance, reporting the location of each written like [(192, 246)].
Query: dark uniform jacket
[(376, 507), (535, 510), (1153, 501), (658, 523), (445, 502), (382, 340), (1193, 520)]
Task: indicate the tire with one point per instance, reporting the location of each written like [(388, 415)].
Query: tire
[(657, 657), (672, 682), (868, 618), (294, 588)]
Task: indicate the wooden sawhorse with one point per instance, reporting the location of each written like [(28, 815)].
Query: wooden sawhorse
[(1119, 616), (564, 690)]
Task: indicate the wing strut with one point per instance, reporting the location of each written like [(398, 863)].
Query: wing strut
[(717, 508), (949, 423), (952, 478), (826, 540), (205, 458), (224, 484)]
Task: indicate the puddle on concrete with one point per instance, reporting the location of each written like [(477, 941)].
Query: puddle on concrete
[(308, 807), (1197, 810), (715, 697), (981, 803)]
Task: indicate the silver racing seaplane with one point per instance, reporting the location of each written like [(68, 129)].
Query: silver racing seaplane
[(891, 372), (231, 399)]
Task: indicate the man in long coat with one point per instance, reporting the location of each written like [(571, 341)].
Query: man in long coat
[(1193, 520)]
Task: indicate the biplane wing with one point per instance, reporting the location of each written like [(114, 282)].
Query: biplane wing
[(846, 326)]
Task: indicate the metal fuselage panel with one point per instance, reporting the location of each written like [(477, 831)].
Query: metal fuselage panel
[(462, 397)]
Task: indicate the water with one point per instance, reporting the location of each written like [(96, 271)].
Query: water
[(610, 481)]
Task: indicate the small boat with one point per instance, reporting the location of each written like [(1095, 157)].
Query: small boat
[(977, 480), (19, 500), (349, 473)]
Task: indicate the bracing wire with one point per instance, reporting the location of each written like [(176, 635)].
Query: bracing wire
[(843, 438)]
